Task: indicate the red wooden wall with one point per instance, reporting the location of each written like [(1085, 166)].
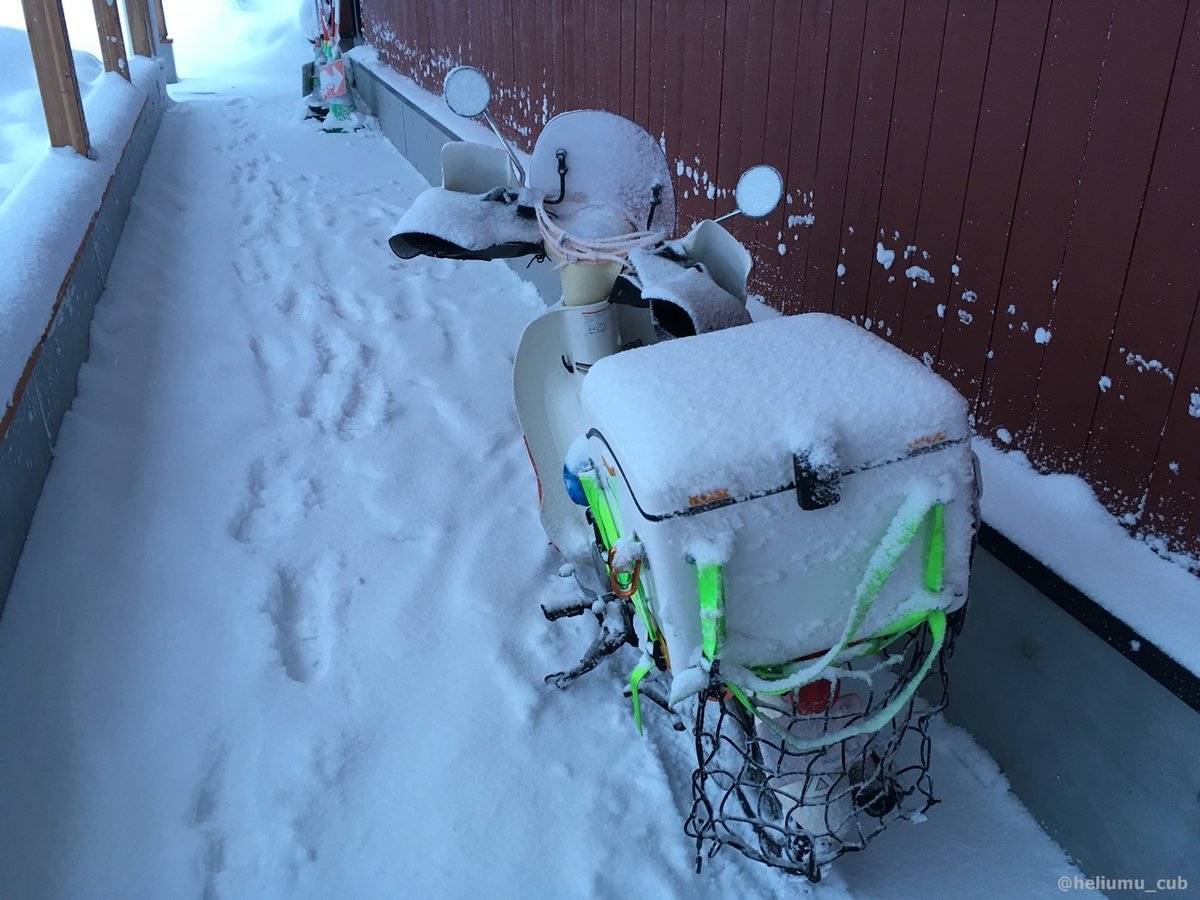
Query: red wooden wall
[(1036, 157)]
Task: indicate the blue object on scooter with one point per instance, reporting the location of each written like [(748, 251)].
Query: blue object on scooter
[(574, 487)]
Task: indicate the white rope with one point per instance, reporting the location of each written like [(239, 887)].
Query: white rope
[(572, 249)]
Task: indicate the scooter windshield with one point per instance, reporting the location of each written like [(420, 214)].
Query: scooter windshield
[(610, 162)]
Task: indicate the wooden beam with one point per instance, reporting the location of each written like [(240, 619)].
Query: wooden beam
[(139, 27), (112, 42), (56, 76)]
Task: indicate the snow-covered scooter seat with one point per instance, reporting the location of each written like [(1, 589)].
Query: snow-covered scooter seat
[(796, 488)]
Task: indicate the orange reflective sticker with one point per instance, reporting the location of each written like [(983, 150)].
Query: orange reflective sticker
[(710, 497), (927, 441)]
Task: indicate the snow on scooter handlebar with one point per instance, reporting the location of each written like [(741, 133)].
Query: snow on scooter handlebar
[(779, 516)]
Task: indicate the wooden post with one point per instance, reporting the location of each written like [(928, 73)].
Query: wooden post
[(163, 37), (139, 27), (112, 42), (56, 76)]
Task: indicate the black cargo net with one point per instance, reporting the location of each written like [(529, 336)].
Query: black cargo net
[(799, 809)]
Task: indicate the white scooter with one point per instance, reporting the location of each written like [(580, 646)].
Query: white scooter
[(780, 515)]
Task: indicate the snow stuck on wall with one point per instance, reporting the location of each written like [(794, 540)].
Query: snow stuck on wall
[(1139, 362), (883, 256), (917, 273)]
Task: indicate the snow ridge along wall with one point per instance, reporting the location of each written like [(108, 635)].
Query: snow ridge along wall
[(58, 232)]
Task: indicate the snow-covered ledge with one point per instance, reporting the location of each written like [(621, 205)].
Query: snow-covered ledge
[(58, 232), (1146, 603), (1079, 667)]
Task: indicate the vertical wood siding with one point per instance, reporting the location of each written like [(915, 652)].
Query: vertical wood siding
[(1036, 158)]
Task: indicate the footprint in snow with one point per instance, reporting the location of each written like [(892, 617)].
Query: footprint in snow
[(278, 497), (269, 353), (330, 765), (202, 817), (250, 272), (345, 394), (304, 606)]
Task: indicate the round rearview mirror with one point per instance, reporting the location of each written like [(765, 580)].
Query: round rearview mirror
[(467, 91), (759, 191)]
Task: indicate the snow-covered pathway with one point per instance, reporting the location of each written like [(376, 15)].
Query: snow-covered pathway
[(276, 630)]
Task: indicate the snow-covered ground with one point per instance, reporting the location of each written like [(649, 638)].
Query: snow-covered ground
[(275, 632)]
